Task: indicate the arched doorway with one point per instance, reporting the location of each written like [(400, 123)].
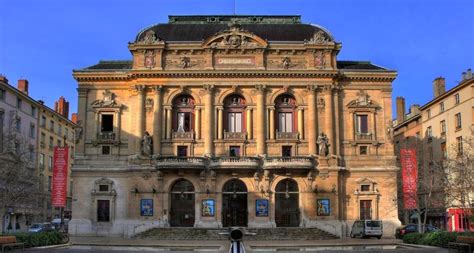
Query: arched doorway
[(287, 212), (234, 204), (182, 204)]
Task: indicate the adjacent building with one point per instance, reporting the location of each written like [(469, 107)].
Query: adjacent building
[(222, 121), (29, 132), (439, 131)]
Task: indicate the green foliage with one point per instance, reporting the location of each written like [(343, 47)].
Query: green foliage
[(438, 239), (39, 239)]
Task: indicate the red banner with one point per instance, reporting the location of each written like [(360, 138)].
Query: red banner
[(409, 177), (58, 195)]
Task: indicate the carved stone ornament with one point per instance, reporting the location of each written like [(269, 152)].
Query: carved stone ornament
[(149, 38), (389, 130), (286, 62), (149, 58), (185, 62), (323, 144), (319, 38), (319, 59), (363, 100), (149, 105), (108, 100), (320, 103), (234, 37)]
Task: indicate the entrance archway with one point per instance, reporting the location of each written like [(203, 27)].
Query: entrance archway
[(182, 204), (234, 204), (287, 212)]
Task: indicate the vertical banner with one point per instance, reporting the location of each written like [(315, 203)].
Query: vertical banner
[(409, 177), (60, 162)]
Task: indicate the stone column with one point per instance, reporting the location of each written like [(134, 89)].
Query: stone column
[(157, 127), (82, 121), (328, 114), (163, 124), (140, 110), (220, 122), (311, 123), (337, 142), (300, 124), (198, 122), (272, 122), (168, 122), (209, 117), (260, 130), (249, 124)]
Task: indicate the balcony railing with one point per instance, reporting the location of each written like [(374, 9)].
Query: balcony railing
[(288, 163), (180, 162), (287, 135), (106, 136), (183, 135), (235, 135), (364, 136), (235, 162)]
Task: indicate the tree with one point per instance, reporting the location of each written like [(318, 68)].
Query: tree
[(458, 182), (18, 182)]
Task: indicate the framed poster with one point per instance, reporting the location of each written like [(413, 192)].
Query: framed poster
[(208, 208), (324, 209), (146, 207), (261, 207)]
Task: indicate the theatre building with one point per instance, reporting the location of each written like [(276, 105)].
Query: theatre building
[(220, 121)]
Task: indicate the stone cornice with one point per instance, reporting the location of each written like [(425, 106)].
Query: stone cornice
[(358, 75)]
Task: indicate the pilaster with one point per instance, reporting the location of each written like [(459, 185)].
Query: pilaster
[(260, 130), (157, 113), (312, 131)]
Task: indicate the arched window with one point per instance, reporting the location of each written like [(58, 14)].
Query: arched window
[(286, 113), (183, 113), (234, 108)]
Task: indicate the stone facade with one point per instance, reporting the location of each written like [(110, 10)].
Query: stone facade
[(204, 129)]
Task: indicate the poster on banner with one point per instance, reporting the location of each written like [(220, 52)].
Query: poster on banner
[(60, 162), (409, 177)]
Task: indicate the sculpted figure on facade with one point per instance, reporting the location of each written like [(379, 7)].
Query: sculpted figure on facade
[(319, 37), (149, 38), (149, 58), (286, 62), (108, 100), (185, 62), (323, 143), (147, 144), (319, 59)]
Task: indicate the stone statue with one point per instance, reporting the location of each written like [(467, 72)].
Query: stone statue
[(323, 143), (286, 62), (147, 144)]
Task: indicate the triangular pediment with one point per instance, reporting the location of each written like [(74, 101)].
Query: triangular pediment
[(365, 180), (234, 37), (104, 181)]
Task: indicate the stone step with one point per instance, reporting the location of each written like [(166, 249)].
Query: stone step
[(213, 234)]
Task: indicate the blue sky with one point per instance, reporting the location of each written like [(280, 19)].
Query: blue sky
[(43, 41)]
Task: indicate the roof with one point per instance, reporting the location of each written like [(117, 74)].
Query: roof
[(198, 28), (462, 84), (358, 65)]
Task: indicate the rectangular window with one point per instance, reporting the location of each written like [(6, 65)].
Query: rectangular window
[(107, 123), (33, 111), (106, 150), (285, 122), (234, 151), (43, 121), (2, 116), (444, 152), (456, 99), (182, 151), (41, 161), (32, 154), (59, 143), (443, 127), (50, 163), (51, 126), (286, 151), (104, 188), (66, 132), (235, 122), (459, 145), (365, 188), (60, 130), (43, 139), (51, 142), (366, 209), (103, 210), (429, 132), (428, 113), (18, 103), (32, 131), (2, 94), (18, 124), (458, 120), (50, 185), (362, 124), (363, 150), (441, 107)]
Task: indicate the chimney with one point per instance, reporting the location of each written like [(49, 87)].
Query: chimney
[(74, 118), (41, 102), (400, 109), (23, 86), (3, 79), (62, 107), (414, 109), (468, 74), (439, 86)]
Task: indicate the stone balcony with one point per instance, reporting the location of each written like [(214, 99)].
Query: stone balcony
[(288, 163), (235, 136), (235, 163), (183, 135), (363, 136), (106, 136), (287, 135), (180, 162)]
